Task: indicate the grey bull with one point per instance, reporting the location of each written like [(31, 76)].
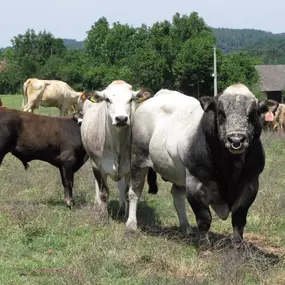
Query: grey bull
[(209, 150)]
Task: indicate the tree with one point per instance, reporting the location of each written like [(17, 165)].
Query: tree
[(193, 65), (148, 67), (119, 43), (237, 67), (32, 50), (95, 41)]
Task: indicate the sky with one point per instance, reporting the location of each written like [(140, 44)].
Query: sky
[(73, 18)]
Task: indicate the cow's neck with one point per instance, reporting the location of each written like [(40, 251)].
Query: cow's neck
[(228, 167), (119, 143)]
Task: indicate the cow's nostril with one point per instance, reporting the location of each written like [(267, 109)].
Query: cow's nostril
[(121, 119), (236, 141)]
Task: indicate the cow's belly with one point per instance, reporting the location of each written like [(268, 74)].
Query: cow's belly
[(110, 166), (213, 198), (165, 158), (50, 103)]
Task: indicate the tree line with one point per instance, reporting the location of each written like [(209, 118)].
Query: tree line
[(175, 54), (269, 47)]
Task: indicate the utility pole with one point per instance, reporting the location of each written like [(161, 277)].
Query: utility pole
[(215, 73)]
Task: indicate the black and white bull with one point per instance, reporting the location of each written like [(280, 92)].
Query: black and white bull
[(209, 150)]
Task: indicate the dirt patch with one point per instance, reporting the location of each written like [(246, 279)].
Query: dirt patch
[(264, 243)]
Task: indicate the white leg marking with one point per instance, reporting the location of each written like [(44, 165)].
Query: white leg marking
[(179, 197)]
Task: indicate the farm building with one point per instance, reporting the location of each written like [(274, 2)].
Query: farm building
[(272, 80)]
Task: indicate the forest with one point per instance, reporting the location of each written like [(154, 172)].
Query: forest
[(175, 54), (269, 47)]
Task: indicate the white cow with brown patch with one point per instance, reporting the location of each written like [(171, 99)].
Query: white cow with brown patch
[(49, 93)]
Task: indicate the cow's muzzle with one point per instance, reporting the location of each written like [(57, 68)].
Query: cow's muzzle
[(121, 121), (236, 143)]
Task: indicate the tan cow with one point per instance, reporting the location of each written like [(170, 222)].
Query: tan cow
[(279, 120), (48, 93), (270, 117)]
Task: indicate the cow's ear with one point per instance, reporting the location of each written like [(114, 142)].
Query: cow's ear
[(141, 95), (263, 107), (85, 95), (208, 103), (272, 105), (95, 96)]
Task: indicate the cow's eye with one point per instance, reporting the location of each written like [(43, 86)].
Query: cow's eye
[(108, 100), (131, 100), (222, 113), (252, 115)]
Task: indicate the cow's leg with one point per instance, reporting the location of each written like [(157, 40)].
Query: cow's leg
[(196, 199), (67, 177), (241, 207), (152, 181), (136, 186), (179, 197), (63, 110), (29, 108), (101, 191), (123, 186)]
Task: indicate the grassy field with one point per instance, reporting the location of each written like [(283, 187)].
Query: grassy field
[(42, 242)]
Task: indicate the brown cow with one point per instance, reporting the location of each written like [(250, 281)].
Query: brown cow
[(1, 103), (48, 93), (56, 140)]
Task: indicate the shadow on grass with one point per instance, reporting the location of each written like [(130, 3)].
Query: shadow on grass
[(150, 224), (147, 214)]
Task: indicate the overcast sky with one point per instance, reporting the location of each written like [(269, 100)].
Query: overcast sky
[(73, 18)]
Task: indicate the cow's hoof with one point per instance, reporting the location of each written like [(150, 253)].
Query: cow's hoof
[(68, 203), (204, 242), (237, 242), (187, 229), (131, 227)]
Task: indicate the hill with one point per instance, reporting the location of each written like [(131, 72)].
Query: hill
[(73, 44), (239, 39), (69, 43), (265, 45)]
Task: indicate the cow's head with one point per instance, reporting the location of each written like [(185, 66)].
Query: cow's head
[(120, 100), (272, 106), (238, 115)]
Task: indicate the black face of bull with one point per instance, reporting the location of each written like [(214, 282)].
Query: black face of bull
[(238, 119)]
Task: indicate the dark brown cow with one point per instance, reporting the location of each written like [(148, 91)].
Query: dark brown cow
[(56, 140)]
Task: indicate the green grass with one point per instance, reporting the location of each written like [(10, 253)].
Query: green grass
[(15, 102), (42, 242)]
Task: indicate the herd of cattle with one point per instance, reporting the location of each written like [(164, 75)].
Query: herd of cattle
[(210, 150)]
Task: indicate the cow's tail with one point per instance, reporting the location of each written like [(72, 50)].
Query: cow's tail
[(152, 181), (25, 96)]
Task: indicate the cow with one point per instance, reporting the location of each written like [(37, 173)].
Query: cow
[(106, 136), (49, 93), (56, 140), (209, 150), (279, 118), (1, 103), (270, 117)]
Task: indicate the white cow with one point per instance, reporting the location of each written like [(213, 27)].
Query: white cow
[(106, 136), (49, 93)]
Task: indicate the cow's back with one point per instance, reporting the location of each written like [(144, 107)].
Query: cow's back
[(41, 137), (163, 126)]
